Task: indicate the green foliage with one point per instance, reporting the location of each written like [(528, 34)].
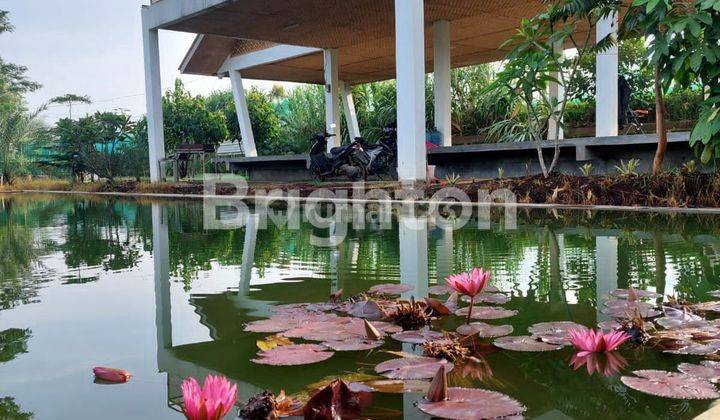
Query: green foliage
[(19, 129), (302, 114), (586, 169), (105, 144), (686, 47), (629, 168), (187, 119), (533, 64)]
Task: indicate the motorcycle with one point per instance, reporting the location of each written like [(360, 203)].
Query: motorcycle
[(349, 160), (383, 154)]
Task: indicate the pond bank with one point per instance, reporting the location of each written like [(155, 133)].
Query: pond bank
[(670, 190)]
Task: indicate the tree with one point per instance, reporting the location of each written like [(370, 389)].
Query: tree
[(534, 62), (105, 152), (70, 99), (187, 119), (18, 128), (685, 51)]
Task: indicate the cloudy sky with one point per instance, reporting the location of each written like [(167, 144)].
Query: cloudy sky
[(92, 47)]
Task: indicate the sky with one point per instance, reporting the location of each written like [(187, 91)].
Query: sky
[(94, 48)]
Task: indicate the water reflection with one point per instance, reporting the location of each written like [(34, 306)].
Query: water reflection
[(554, 266)]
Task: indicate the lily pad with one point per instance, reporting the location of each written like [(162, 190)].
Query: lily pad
[(625, 309), (487, 312), (524, 343), (391, 289), (695, 348), (417, 336), (398, 386), (353, 344), (712, 306), (609, 325), (472, 403), (707, 369), (671, 385), (286, 321), (492, 298), (624, 293), (676, 319), (412, 367), (555, 332), (438, 290), (484, 330), (295, 354), (368, 309)]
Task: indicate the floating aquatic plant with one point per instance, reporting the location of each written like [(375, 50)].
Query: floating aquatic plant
[(448, 348), (482, 329), (525, 343), (390, 289), (671, 385), (411, 315), (473, 403), (211, 402), (707, 369), (412, 367), (294, 354), (267, 405), (485, 312), (469, 284), (591, 341), (417, 336), (555, 332)]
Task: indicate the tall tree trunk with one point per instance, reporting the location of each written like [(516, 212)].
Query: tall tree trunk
[(659, 124)]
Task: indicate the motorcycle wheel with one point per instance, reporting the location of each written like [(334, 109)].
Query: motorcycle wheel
[(316, 173), (362, 174)]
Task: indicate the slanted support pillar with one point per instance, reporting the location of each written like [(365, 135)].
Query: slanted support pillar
[(153, 98), (350, 113), (557, 92), (243, 114), (606, 83), (332, 107), (410, 68), (442, 92)]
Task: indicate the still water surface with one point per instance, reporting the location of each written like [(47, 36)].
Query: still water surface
[(144, 287)]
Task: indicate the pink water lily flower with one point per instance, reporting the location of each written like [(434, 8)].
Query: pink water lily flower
[(211, 402), (111, 374), (469, 284), (591, 341)]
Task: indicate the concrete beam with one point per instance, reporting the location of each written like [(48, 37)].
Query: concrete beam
[(606, 82), (442, 71), (350, 113), (167, 12), (267, 56), (332, 92), (153, 98), (243, 114), (410, 68)]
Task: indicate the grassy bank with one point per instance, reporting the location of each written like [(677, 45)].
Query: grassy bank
[(670, 189)]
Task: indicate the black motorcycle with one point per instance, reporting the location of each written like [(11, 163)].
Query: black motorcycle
[(383, 154), (349, 160)]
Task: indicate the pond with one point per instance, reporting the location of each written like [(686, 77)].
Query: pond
[(148, 287)]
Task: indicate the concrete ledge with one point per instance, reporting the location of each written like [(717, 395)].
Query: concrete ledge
[(484, 160)]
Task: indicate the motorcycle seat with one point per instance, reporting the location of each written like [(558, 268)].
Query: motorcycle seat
[(335, 151)]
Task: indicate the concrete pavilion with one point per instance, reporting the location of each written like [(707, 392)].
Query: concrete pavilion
[(340, 43)]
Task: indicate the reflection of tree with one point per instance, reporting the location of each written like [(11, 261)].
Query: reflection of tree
[(11, 411), (13, 341), (98, 233)]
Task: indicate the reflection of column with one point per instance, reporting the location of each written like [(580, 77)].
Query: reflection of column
[(557, 289), (606, 270), (248, 256), (659, 266), (444, 261), (414, 254), (161, 265), (561, 247)]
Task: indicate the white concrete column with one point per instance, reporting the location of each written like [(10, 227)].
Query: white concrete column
[(161, 271), (606, 271), (410, 68), (442, 92), (350, 113), (557, 92), (606, 82), (243, 114), (332, 107), (153, 98), (248, 255)]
